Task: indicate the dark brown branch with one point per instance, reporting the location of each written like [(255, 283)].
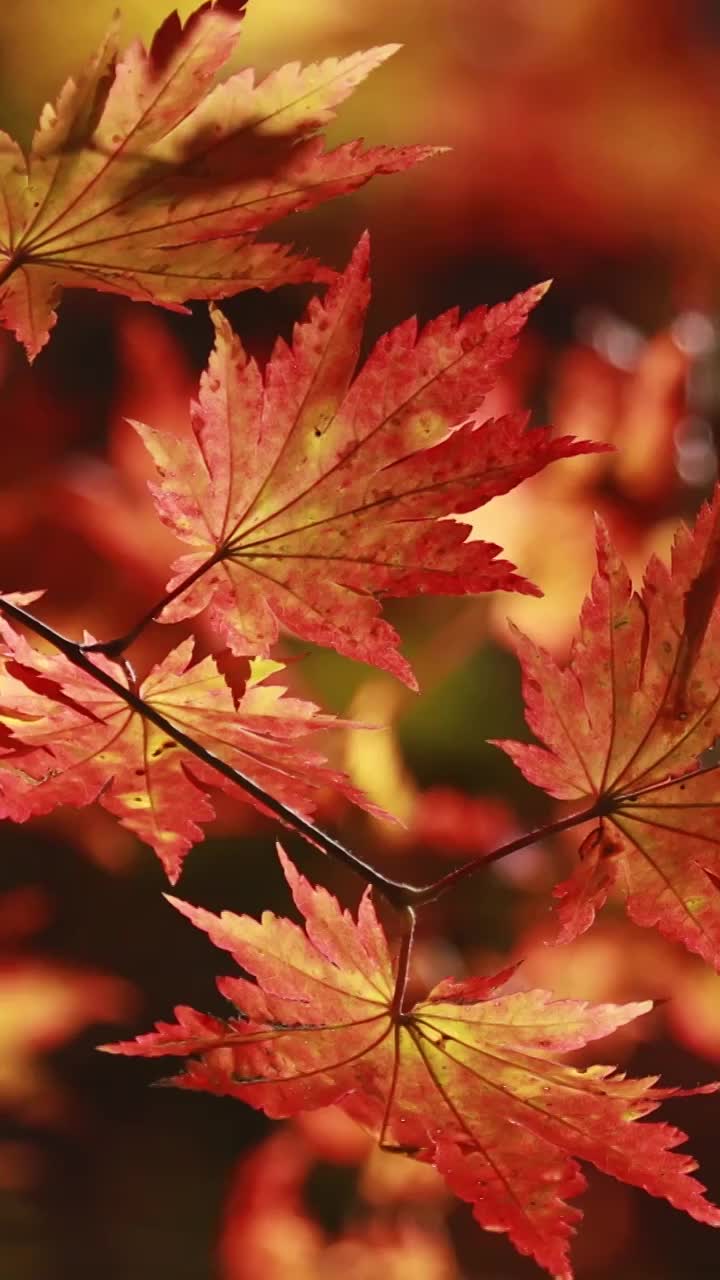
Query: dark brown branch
[(432, 891), (394, 891), (399, 894)]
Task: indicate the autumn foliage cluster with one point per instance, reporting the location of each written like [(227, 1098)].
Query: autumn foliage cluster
[(298, 496)]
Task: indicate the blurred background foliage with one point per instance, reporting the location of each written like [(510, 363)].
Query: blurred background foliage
[(583, 144)]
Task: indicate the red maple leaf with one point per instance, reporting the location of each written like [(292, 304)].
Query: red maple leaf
[(306, 494), (72, 741), (466, 1080), (146, 180), (625, 725)]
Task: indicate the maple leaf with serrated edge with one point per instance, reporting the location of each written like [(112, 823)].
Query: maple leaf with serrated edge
[(625, 725), (466, 1080), (69, 740), (146, 180), (306, 494)]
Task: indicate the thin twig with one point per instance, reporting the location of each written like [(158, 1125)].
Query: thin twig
[(421, 897), (399, 894), (394, 891)]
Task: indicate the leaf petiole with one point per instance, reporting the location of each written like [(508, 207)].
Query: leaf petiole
[(117, 646)]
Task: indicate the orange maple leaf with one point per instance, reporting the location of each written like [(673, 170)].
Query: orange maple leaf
[(466, 1080), (146, 180)]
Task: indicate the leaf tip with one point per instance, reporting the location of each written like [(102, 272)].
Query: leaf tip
[(603, 541), (177, 903), (360, 260), (287, 865), (384, 51), (220, 322)]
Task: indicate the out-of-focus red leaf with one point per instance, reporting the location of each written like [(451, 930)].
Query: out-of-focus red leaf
[(43, 1003), (639, 403)]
